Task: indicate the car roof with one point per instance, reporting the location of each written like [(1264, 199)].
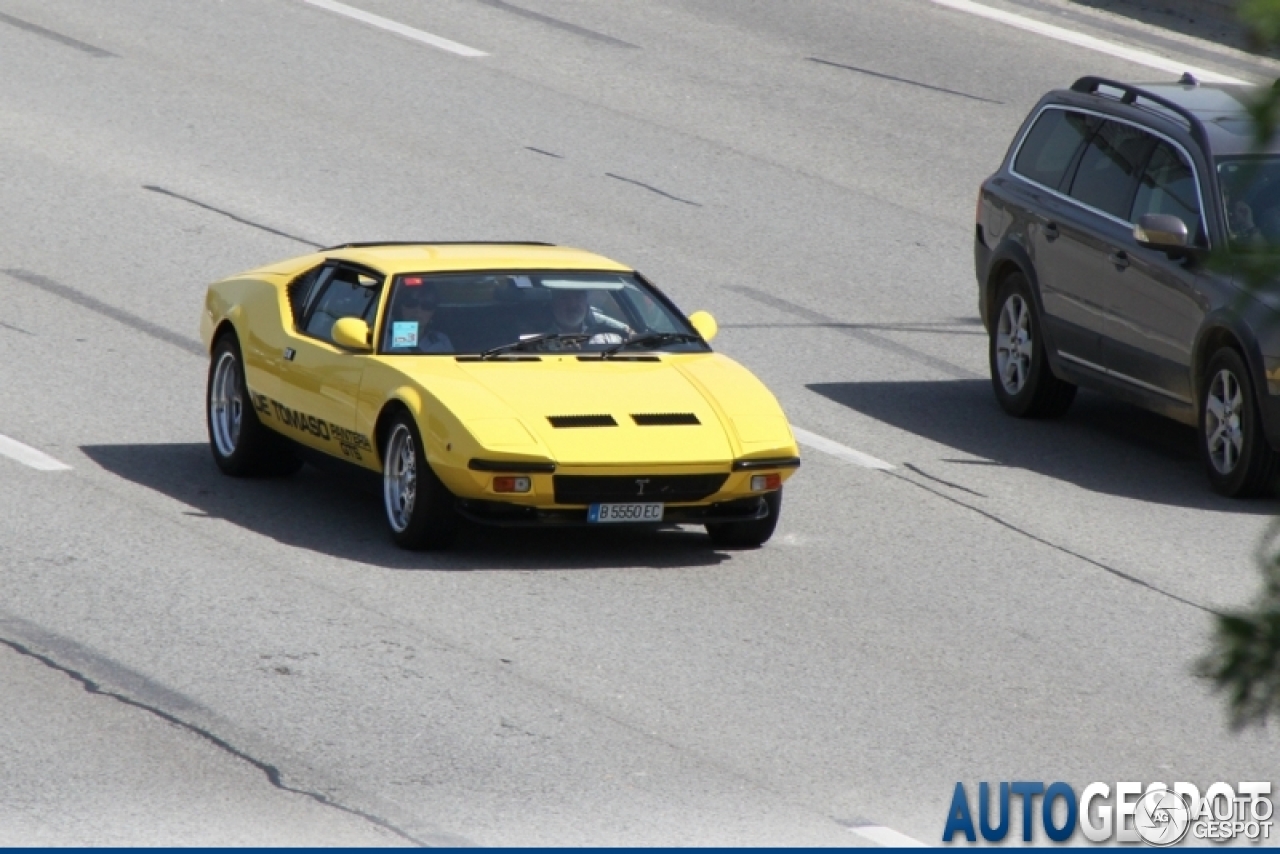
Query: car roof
[(1222, 109), (444, 257)]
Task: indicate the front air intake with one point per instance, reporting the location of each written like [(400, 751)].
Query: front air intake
[(562, 421)]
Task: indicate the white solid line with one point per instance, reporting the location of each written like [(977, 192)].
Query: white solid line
[(1141, 57), (887, 837), (29, 456), (835, 449), (394, 27)]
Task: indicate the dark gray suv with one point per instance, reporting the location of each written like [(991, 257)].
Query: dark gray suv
[(1113, 251)]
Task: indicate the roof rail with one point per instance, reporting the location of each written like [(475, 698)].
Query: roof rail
[(436, 243), (1089, 86)]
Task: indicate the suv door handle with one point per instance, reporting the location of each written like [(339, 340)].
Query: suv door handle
[(1120, 258), (1050, 231)]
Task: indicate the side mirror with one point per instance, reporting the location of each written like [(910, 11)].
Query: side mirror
[(1161, 231), (351, 333), (705, 324)]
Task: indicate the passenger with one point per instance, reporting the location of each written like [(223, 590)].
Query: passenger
[(415, 310)]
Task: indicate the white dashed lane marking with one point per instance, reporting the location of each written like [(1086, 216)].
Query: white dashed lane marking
[(29, 456), (835, 449), (886, 836), (395, 27), (1062, 34)]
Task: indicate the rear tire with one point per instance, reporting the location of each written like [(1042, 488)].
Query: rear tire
[(1020, 374), (241, 445), (748, 535), (1239, 461), (419, 508)]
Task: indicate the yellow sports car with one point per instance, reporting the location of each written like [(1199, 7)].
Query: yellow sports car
[(505, 383)]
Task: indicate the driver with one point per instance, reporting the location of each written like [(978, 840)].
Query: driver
[(572, 313)]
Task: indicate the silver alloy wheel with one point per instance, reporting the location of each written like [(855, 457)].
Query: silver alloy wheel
[(400, 478), (1013, 344), (1224, 408), (226, 404)]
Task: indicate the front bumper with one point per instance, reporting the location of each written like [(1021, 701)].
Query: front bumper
[(504, 514)]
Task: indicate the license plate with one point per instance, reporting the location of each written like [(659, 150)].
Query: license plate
[(635, 512)]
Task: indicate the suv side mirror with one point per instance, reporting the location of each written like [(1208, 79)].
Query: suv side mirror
[(1162, 231), (351, 333)]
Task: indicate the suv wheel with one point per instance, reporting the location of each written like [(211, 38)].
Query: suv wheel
[(1024, 384), (1236, 455)]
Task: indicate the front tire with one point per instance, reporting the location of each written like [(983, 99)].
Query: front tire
[(241, 445), (419, 508), (748, 535), (1237, 458), (1020, 374)]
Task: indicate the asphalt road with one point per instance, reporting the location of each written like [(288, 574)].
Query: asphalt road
[(190, 659)]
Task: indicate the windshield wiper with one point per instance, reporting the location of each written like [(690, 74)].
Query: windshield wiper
[(651, 339), (525, 343)]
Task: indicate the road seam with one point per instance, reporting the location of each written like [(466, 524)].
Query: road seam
[(272, 773)]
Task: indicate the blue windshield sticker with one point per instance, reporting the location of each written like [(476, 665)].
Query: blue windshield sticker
[(404, 333), (522, 281)]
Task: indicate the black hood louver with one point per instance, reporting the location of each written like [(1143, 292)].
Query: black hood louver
[(561, 421), (657, 419)]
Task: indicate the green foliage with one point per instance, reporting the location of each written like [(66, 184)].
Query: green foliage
[(1244, 661), (1263, 19), (1244, 657)]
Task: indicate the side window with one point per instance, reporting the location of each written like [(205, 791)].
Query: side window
[(1168, 186), (303, 288), (1109, 166), (1051, 145), (347, 294)]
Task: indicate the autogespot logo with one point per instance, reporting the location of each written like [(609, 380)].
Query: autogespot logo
[(1157, 814)]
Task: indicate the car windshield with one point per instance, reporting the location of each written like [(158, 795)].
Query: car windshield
[(1251, 199), (506, 314)]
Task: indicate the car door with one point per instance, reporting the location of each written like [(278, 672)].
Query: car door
[(320, 381), (1046, 160), (1158, 309), (1093, 235)]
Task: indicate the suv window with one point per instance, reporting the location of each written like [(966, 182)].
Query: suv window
[(1051, 145), (347, 294), (1109, 167), (1168, 186)]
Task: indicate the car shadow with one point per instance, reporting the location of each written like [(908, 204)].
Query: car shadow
[(1101, 444), (335, 510)]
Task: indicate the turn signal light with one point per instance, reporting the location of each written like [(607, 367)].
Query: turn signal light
[(511, 484), (765, 482)]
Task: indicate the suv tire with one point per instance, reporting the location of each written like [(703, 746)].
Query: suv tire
[(1020, 374), (1239, 461)]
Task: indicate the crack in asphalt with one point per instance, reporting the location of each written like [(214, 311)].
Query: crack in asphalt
[(162, 191), (271, 772), (653, 189), (557, 23), (1012, 527), (57, 37), (141, 324), (916, 83), (923, 473)]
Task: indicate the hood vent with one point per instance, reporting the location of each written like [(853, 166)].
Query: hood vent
[(657, 419), (561, 421)]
